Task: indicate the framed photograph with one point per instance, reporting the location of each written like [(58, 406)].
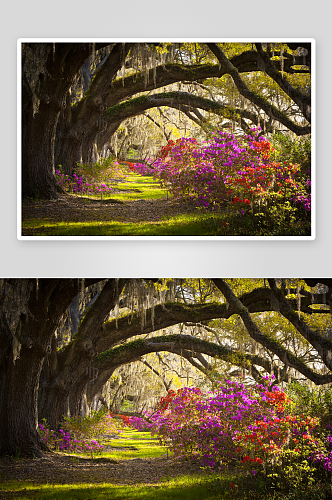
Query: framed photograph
[(166, 139)]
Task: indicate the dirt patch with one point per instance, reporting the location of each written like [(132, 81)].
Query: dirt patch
[(70, 208), (61, 469)]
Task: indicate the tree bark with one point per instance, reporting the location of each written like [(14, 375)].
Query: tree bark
[(18, 423), (77, 357), (84, 125), (38, 179), (62, 63), (22, 357)]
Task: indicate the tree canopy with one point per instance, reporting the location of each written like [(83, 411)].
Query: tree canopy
[(79, 99), (48, 363)]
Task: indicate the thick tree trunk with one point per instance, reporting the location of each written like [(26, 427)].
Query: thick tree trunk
[(23, 348), (103, 138), (18, 422), (69, 152), (38, 179), (53, 79), (88, 386), (56, 405), (96, 386), (75, 362)]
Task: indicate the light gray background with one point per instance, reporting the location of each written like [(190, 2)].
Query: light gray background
[(164, 19)]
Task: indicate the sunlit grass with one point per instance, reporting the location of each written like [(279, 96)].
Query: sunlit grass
[(142, 444), (139, 444), (146, 186), (207, 485), (181, 225), (197, 223), (214, 486), (184, 487), (180, 488)]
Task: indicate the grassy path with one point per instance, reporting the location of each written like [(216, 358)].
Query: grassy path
[(132, 467), (138, 206)]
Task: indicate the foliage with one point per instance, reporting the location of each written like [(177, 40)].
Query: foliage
[(142, 168), (314, 401), (140, 424), (252, 426), (100, 171), (62, 441), (238, 173), (79, 432), (77, 185), (90, 179), (93, 425), (294, 150)]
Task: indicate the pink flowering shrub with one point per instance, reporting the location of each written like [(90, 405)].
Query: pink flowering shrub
[(140, 423), (252, 426), (235, 171), (90, 179), (79, 433)]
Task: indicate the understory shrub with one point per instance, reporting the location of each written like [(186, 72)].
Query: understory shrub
[(92, 425), (140, 424), (78, 433), (90, 179)]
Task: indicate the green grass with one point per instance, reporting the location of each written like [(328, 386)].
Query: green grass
[(146, 186), (195, 487), (198, 223), (181, 225), (141, 444), (208, 485), (181, 488)]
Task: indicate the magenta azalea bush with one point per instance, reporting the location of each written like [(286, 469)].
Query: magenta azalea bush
[(90, 179), (239, 172), (253, 426), (140, 423), (62, 441), (79, 433), (77, 185)]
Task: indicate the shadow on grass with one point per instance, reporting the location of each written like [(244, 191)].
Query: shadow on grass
[(198, 224), (181, 488), (183, 225)]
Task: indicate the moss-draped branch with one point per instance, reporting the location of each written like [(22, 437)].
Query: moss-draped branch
[(184, 101), (272, 344), (260, 101), (176, 343)]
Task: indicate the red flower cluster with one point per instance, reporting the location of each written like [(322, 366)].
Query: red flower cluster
[(247, 458), (278, 399), (237, 199), (164, 402), (124, 418), (181, 146), (264, 148), (166, 149)]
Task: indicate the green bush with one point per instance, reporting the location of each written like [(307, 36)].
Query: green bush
[(293, 150), (312, 401)]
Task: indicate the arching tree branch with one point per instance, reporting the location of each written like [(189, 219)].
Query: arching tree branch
[(267, 107), (178, 100), (288, 358), (303, 101)]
